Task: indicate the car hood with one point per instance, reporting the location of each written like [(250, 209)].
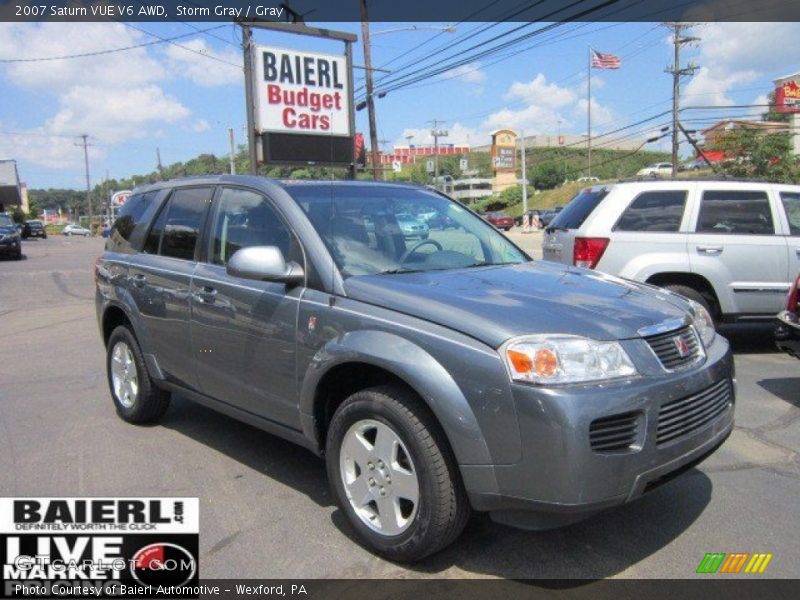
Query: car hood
[(493, 304)]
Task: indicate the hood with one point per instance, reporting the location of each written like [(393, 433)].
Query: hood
[(493, 304)]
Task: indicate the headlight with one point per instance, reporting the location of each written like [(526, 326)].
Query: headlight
[(703, 323), (565, 359)]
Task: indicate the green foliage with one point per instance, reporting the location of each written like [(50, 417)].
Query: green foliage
[(546, 176), (759, 155), (772, 114), (18, 215)]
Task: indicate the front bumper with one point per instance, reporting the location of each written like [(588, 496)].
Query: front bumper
[(787, 333), (9, 247), (562, 479)]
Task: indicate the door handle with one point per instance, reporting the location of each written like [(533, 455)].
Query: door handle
[(139, 280), (797, 251), (710, 249), (206, 294)]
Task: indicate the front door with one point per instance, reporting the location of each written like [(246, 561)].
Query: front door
[(244, 331)]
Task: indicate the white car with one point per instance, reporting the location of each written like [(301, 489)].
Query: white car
[(655, 170), (72, 229), (732, 246)]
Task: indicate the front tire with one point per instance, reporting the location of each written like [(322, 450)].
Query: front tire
[(135, 396), (393, 474)]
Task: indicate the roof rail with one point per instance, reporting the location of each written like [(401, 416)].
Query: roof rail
[(717, 177)]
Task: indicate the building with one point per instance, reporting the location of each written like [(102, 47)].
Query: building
[(11, 191), (471, 189), (714, 134), (409, 154), (568, 140)]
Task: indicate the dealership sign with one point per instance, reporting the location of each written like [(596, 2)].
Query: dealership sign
[(301, 92)]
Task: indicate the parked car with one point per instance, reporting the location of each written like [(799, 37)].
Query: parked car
[(547, 216), (434, 376), (411, 226), (33, 229), (71, 229), (787, 333), (656, 170), (732, 246), (10, 244), (500, 220)]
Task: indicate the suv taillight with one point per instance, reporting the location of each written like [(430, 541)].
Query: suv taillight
[(587, 252), (794, 297)]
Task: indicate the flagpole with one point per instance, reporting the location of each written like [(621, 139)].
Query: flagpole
[(589, 112)]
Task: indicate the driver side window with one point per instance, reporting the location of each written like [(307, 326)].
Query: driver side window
[(244, 218)]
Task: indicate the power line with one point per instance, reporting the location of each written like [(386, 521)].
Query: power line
[(169, 41), (109, 51)]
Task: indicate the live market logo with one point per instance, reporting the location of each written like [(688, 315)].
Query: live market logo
[(90, 547)]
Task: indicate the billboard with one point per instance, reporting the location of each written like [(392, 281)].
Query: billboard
[(303, 106), (787, 97)]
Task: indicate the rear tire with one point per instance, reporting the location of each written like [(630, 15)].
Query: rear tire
[(135, 396), (391, 524), (693, 294)]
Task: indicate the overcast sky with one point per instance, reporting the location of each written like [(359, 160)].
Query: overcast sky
[(183, 102)]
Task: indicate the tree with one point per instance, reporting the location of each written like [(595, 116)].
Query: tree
[(758, 155), (772, 113), (546, 176)]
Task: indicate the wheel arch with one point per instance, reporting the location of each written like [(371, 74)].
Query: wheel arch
[(692, 280), (363, 359)]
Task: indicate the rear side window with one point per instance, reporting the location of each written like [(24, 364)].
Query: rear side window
[(131, 219), (660, 211), (177, 227), (791, 204), (579, 208), (735, 212)]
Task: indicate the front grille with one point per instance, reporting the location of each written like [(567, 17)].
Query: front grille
[(614, 433), (685, 415), (667, 347)]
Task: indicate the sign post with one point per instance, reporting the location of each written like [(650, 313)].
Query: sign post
[(299, 104)]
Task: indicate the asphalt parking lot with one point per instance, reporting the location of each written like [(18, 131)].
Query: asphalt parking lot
[(265, 507)]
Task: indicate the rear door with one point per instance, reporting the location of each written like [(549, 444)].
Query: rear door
[(790, 203), (244, 331), (736, 246), (159, 279), (559, 237)]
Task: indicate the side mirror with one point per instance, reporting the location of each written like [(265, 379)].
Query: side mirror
[(264, 263)]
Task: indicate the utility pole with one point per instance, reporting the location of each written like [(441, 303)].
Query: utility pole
[(436, 133), (159, 165), (232, 151), (377, 172), (524, 179), (247, 40), (85, 145), (677, 72), (589, 113)]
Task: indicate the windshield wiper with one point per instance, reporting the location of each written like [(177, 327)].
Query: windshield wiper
[(552, 228), (400, 270)]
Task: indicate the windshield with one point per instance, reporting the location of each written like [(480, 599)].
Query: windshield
[(5, 221), (360, 225)]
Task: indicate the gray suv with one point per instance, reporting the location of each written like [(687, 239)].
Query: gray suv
[(435, 376)]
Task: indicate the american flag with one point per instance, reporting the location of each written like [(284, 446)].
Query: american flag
[(601, 60)]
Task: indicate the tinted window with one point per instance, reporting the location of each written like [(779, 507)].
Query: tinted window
[(735, 213), (654, 211), (244, 218), (135, 213), (6, 221), (791, 204), (178, 224), (581, 206)]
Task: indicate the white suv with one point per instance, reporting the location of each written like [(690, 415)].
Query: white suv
[(733, 246)]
